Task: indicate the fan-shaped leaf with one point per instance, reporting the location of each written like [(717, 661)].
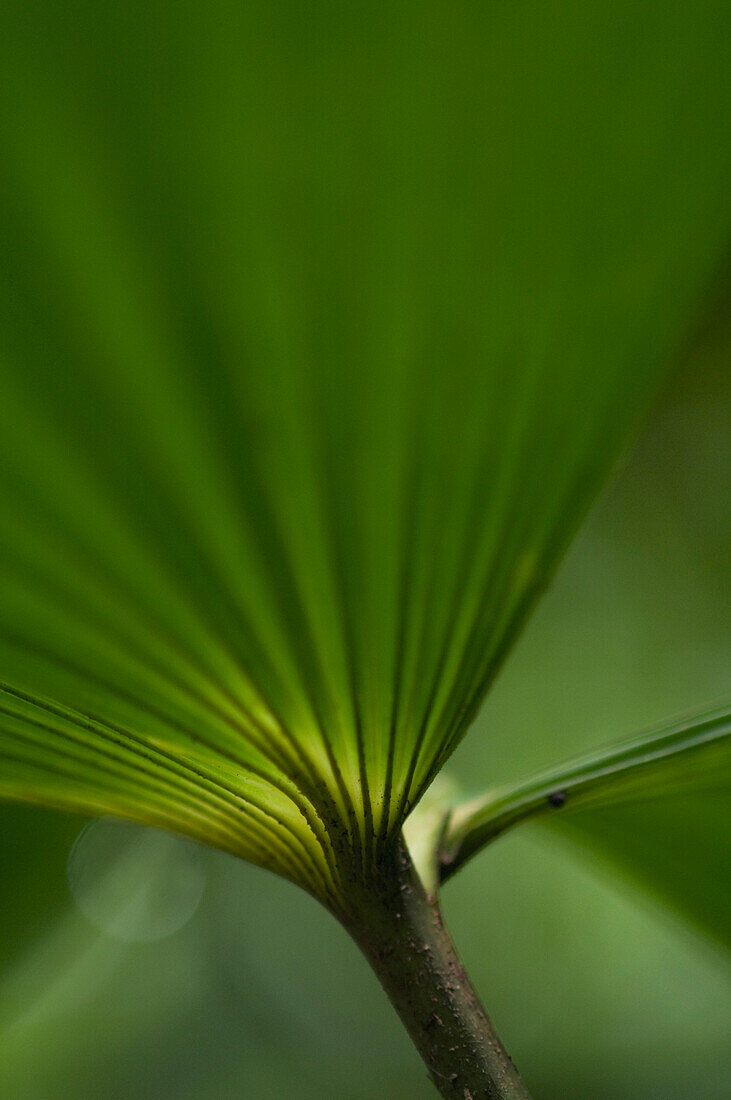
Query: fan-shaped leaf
[(322, 325)]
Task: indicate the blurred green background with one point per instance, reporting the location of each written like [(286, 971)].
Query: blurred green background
[(599, 990)]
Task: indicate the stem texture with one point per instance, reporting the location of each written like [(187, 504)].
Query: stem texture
[(400, 930)]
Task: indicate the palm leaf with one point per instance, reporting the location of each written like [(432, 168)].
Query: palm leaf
[(322, 329), (694, 754)]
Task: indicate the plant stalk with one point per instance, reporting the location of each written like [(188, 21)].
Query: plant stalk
[(399, 929)]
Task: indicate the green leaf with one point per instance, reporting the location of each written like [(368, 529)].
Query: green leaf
[(322, 328), (692, 755)]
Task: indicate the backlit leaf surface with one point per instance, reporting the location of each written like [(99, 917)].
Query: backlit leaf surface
[(322, 324)]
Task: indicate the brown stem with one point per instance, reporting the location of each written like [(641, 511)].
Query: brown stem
[(400, 931)]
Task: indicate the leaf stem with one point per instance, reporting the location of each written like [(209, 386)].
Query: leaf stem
[(400, 930)]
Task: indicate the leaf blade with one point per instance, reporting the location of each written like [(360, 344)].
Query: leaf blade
[(309, 379), (695, 752)]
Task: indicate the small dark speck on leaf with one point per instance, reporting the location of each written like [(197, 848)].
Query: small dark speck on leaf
[(557, 799)]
